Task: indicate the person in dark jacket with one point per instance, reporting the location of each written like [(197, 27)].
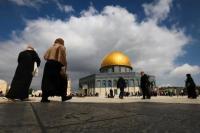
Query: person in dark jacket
[(121, 84), (23, 74), (190, 86), (144, 85), (111, 95), (54, 80)]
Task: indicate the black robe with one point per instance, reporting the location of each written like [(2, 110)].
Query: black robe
[(121, 83), (53, 83), (190, 86), (23, 75), (145, 86)]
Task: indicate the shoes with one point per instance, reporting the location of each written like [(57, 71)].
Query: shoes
[(10, 99), (13, 99), (66, 98), (45, 101), (120, 97)]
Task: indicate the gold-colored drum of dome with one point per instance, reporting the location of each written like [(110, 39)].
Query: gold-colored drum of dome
[(116, 58)]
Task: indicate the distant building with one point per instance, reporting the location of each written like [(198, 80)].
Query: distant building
[(3, 87), (113, 66), (37, 93), (69, 87)]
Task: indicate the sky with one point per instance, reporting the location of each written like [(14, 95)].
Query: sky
[(161, 37)]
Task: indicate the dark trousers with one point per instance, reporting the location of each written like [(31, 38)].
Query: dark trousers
[(191, 93), (143, 93), (121, 94), (146, 93), (53, 83)]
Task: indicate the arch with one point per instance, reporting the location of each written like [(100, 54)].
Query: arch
[(104, 83), (109, 83), (98, 83)]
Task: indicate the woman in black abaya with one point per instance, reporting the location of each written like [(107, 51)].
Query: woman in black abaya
[(190, 86), (24, 74)]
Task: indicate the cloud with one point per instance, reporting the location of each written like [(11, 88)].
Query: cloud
[(177, 75), (64, 8), (158, 10), (28, 3), (184, 69), (89, 37), (89, 12)]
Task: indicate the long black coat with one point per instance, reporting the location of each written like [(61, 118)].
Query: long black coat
[(53, 83), (145, 86), (23, 75), (144, 82), (190, 86), (121, 83)]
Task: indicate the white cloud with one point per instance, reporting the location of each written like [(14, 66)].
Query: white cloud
[(68, 8), (91, 11), (158, 10), (177, 75), (64, 8), (91, 36), (29, 3), (184, 69)]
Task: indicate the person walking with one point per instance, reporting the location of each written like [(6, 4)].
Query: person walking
[(54, 80), (144, 85), (23, 75), (190, 86), (121, 84), (111, 95)]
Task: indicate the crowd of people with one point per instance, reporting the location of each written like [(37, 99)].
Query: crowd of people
[(146, 91), (54, 80)]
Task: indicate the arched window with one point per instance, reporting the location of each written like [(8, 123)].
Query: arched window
[(115, 83), (109, 70), (137, 82), (127, 83), (98, 84), (109, 83), (104, 83), (131, 82), (123, 69), (117, 69)]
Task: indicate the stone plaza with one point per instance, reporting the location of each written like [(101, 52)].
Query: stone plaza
[(97, 115)]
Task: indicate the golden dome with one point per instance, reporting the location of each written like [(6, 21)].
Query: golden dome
[(116, 58)]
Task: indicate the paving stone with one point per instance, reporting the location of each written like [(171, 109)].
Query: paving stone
[(121, 117), (18, 118), (66, 117)]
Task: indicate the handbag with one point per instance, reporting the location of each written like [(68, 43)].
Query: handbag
[(35, 70)]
